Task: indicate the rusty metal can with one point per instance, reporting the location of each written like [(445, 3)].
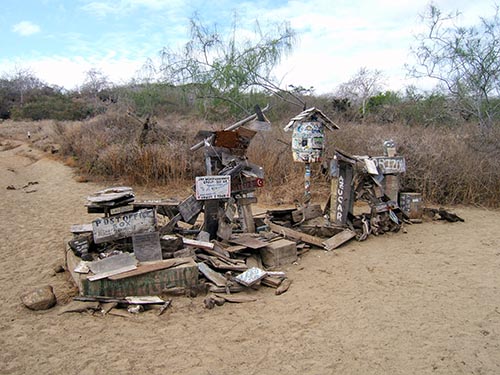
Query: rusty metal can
[(412, 205)]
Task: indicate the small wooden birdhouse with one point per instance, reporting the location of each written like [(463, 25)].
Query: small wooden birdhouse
[(308, 137)]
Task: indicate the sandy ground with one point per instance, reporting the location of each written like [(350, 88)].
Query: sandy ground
[(424, 302)]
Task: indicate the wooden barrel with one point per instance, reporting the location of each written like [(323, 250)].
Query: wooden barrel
[(412, 205)]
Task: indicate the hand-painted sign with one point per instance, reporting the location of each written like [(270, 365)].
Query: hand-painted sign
[(390, 165), (213, 187), (121, 226)]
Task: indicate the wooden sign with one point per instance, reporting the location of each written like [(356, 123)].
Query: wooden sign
[(147, 246), (121, 226), (390, 165), (213, 187), (343, 203)]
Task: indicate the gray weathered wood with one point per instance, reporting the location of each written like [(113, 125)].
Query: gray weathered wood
[(215, 277), (147, 246), (122, 226), (287, 232), (339, 239)]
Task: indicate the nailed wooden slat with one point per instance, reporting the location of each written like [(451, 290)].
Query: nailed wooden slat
[(150, 267), (287, 232), (339, 239)]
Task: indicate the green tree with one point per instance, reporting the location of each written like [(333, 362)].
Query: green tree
[(465, 60), (223, 67)]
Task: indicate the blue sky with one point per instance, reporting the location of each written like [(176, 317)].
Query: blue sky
[(60, 40)]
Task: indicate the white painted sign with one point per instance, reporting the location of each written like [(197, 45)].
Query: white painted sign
[(213, 187), (121, 226)]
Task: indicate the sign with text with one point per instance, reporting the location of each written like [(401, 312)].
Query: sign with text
[(126, 225), (390, 165), (213, 187)]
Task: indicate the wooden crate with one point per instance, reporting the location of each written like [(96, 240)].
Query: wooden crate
[(152, 283), (279, 253)]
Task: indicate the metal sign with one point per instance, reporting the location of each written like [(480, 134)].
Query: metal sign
[(121, 226), (213, 187)]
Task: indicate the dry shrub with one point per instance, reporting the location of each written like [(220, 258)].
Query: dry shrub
[(116, 146), (448, 166)]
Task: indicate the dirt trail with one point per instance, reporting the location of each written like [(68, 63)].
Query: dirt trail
[(425, 302)]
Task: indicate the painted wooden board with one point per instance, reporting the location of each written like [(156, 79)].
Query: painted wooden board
[(121, 226), (390, 165)]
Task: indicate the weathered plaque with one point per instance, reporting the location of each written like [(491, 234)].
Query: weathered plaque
[(147, 246), (121, 226), (213, 187), (390, 165)]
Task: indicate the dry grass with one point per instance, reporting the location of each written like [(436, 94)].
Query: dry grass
[(448, 166)]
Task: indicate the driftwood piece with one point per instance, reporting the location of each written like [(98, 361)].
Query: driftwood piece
[(287, 232), (236, 299), (284, 286)]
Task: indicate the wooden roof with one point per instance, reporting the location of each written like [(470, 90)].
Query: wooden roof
[(311, 114)]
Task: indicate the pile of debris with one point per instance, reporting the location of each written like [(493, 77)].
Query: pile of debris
[(139, 253)]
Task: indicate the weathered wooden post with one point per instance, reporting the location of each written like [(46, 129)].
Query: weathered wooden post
[(308, 142), (342, 193), (214, 189)]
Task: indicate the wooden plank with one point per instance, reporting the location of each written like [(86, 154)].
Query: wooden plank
[(306, 213), (106, 274), (248, 241), (196, 243), (215, 277), (122, 226), (235, 248), (246, 217), (287, 232), (143, 268), (81, 228), (339, 239)]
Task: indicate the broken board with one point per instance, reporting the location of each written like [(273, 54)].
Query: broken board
[(338, 239)]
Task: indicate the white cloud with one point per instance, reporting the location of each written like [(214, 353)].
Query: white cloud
[(26, 28), (103, 8)]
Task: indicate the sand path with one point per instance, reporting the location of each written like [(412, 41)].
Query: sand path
[(425, 302)]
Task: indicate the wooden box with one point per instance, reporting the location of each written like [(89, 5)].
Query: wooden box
[(148, 284), (279, 253)]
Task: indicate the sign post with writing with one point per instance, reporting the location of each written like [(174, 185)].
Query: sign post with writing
[(121, 226), (213, 187)]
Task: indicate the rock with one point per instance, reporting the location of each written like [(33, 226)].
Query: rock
[(42, 298), (58, 268)]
